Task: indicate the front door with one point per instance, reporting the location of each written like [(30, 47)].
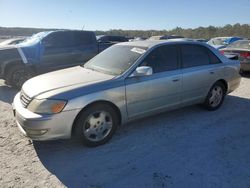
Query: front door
[(161, 90), (59, 52)]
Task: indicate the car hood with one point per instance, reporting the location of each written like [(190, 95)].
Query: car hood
[(7, 47), (62, 80)]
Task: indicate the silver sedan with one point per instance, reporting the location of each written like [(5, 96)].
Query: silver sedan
[(125, 82)]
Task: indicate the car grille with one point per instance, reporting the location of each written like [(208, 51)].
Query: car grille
[(25, 99)]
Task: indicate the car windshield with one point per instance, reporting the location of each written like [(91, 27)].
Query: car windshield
[(34, 38), (240, 44), (116, 59)]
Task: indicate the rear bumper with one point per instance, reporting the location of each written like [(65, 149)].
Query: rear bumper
[(43, 127)]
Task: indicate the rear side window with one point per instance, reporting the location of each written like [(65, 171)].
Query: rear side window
[(213, 58), (194, 55), (163, 58), (83, 38)]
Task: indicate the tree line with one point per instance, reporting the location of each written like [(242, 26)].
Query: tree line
[(242, 30)]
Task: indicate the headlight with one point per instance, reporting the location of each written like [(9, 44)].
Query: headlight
[(46, 106)]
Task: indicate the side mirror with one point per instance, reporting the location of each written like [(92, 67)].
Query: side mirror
[(142, 71)]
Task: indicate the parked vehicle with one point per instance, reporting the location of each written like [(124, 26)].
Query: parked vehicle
[(125, 82), (240, 49), (165, 37), (137, 39), (222, 42), (45, 52), (201, 40), (108, 40), (12, 41)]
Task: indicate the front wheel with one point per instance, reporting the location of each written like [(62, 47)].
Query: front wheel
[(96, 125), (215, 96), (17, 75)]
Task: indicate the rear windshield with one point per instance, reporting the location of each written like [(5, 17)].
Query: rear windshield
[(116, 59), (240, 44)]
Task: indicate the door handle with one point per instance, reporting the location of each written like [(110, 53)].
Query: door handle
[(176, 79), (212, 71)]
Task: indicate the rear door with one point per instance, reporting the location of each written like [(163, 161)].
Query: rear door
[(158, 91), (200, 69)]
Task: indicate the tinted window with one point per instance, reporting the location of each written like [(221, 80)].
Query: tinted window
[(83, 38), (112, 39), (194, 55), (213, 58), (164, 58), (58, 39)]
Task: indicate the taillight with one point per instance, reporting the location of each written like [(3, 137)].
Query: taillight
[(222, 52), (245, 55)]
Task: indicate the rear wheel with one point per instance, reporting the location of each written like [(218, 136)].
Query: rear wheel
[(215, 96), (96, 125)]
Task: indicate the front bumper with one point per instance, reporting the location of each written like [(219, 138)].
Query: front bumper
[(43, 127)]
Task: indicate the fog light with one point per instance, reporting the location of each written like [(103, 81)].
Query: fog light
[(36, 132)]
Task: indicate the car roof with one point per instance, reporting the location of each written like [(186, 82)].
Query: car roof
[(151, 43)]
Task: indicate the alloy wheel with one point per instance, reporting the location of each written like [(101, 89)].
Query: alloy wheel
[(97, 126)]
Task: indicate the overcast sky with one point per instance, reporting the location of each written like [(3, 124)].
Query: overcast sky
[(122, 14)]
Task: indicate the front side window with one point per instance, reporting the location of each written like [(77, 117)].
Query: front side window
[(163, 58), (58, 40), (193, 55)]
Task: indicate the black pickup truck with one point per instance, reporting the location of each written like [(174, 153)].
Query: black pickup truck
[(45, 52)]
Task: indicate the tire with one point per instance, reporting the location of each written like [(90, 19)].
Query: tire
[(96, 125), (215, 96), (16, 76)]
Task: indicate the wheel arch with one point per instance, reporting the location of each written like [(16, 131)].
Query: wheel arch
[(94, 103), (8, 65), (224, 82)]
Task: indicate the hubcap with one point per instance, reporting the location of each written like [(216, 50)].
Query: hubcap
[(216, 96), (97, 126)]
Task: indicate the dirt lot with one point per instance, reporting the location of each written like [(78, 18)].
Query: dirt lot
[(189, 147)]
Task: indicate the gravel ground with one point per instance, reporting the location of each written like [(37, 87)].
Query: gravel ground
[(189, 147)]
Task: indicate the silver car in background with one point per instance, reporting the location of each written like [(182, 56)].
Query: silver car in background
[(127, 81)]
